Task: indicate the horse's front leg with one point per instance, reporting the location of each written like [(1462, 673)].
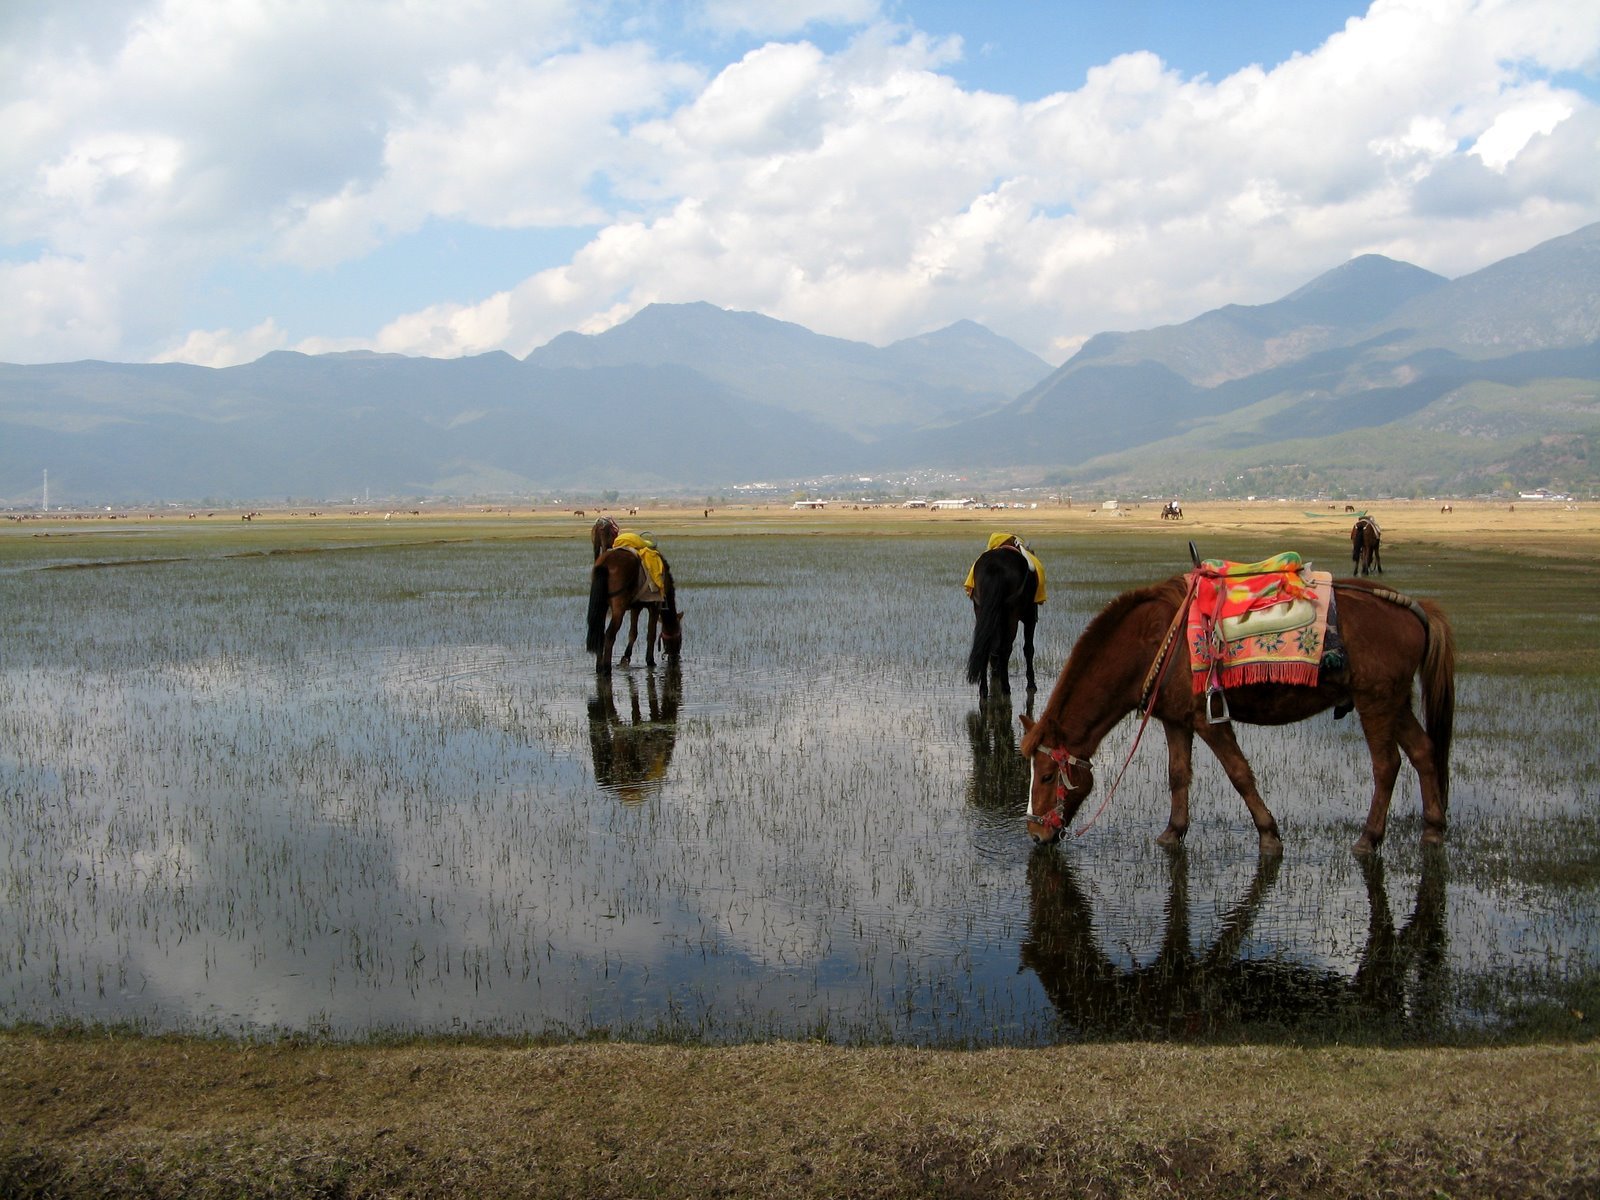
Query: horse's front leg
[(1223, 744), (650, 637), (633, 635), (1180, 770)]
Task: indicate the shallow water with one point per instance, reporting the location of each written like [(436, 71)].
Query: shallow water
[(373, 790)]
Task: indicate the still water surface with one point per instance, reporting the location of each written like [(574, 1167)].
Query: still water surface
[(382, 789)]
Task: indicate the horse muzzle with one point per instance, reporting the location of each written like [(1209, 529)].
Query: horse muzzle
[(1046, 830)]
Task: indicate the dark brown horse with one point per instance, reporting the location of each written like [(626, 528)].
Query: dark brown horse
[(1388, 639), (1004, 587), (602, 534), (617, 583), (1364, 540)]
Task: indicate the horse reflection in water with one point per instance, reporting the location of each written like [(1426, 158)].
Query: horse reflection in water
[(999, 772), (631, 754), (1184, 992)]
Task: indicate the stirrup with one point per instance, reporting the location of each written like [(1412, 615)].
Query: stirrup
[(1217, 706)]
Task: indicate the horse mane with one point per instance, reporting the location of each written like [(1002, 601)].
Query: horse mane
[(1093, 640), (669, 589)]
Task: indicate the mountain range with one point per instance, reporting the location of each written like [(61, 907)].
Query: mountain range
[(1375, 377)]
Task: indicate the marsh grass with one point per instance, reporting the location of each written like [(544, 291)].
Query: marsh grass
[(347, 781), (342, 806)]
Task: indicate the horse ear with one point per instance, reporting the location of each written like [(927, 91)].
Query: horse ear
[(1027, 722)]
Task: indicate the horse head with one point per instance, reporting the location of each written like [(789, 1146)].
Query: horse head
[(1061, 782), (671, 631)]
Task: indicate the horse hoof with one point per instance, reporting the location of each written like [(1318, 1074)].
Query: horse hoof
[(1271, 845), (1170, 838), (1433, 837), (1364, 846)]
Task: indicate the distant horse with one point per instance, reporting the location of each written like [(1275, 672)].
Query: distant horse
[(1388, 638), (602, 534), (616, 583), (1004, 586), (1364, 540), (1172, 511)]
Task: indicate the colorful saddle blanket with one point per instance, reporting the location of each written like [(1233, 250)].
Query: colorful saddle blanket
[(1264, 622), (996, 540)]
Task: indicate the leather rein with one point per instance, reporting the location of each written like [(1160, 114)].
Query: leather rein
[(1149, 691)]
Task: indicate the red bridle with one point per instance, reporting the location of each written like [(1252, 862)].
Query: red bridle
[(1065, 761)]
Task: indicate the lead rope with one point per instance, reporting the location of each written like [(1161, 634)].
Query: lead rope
[(1148, 694)]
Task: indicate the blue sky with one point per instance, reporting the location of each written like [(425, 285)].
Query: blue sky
[(202, 182)]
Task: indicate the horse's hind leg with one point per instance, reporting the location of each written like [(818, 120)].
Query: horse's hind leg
[(1000, 664), (1380, 729), (633, 635), (1418, 746), (1223, 744), (602, 661), (1028, 621)]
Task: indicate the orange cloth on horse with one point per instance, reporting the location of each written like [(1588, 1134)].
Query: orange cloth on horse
[(645, 548), (996, 540), (1227, 590)]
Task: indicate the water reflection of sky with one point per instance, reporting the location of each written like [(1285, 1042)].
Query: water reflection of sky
[(366, 791)]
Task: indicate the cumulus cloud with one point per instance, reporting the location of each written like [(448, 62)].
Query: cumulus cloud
[(225, 347), (859, 191)]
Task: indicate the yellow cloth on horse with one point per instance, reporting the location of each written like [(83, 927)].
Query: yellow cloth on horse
[(996, 540), (646, 550)]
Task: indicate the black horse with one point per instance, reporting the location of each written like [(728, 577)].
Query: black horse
[(1004, 586), (1364, 540)]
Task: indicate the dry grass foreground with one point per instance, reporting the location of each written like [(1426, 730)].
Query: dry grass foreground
[(173, 1117)]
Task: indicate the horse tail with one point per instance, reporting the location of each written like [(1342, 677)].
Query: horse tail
[(1439, 693), (989, 629), (599, 603)]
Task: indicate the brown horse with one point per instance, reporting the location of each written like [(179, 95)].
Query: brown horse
[(602, 534), (1364, 539), (616, 583), (1388, 638)]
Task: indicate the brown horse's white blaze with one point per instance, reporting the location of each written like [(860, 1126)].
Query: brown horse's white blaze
[(1061, 782)]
